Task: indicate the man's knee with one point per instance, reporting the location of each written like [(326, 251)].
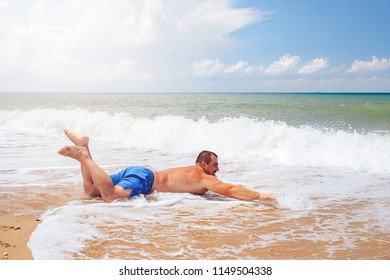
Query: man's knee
[(92, 191), (115, 193), (110, 196)]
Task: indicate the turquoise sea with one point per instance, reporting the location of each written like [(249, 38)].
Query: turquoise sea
[(325, 156)]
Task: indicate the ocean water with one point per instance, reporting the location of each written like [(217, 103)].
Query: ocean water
[(325, 157)]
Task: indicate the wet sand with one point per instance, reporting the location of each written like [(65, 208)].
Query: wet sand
[(302, 239), (14, 235), (21, 210)]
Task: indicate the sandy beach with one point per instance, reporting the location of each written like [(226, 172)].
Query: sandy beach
[(14, 235), (17, 227), (20, 211)]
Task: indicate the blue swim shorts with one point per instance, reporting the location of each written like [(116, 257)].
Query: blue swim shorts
[(137, 178)]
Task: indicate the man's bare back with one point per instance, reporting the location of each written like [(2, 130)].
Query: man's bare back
[(189, 179), (196, 179)]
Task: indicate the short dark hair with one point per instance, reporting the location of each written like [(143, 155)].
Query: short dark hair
[(205, 156)]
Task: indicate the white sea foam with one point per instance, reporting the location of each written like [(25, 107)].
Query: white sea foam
[(64, 225), (80, 221), (237, 139)]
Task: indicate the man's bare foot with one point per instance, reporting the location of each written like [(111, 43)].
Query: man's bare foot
[(78, 153), (78, 139)]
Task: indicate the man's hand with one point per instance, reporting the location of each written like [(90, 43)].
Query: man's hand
[(269, 200)]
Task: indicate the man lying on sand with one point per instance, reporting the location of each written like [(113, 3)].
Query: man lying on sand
[(132, 181)]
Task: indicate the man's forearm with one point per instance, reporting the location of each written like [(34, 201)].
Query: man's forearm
[(245, 194), (242, 193)]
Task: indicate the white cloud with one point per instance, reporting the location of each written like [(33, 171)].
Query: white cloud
[(240, 66), (314, 66), (69, 43), (116, 23), (76, 41), (213, 67), (367, 66), (3, 3), (217, 17), (285, 63), (207, 67)]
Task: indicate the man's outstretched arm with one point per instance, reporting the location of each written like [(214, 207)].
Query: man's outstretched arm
[(238, 192)]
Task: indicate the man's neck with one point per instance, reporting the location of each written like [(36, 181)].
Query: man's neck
[(198, 164)]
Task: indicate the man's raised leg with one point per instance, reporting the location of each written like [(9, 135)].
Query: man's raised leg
[(99, 177), (82, 140)]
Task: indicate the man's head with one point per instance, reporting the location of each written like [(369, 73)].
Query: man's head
[(208, 161)]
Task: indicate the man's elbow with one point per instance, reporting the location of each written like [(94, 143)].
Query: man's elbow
[(227, 190), (234, 192), (242, 193), (230, 191)]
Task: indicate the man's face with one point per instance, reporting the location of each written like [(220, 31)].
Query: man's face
[(212, 167)]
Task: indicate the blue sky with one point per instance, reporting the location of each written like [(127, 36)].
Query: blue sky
[(194, 46)]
